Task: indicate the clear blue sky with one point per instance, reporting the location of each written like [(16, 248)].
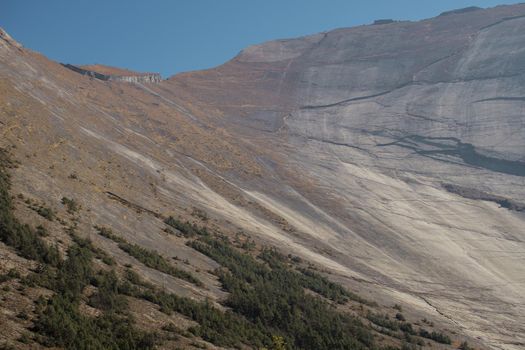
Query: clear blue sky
[(181, 35)]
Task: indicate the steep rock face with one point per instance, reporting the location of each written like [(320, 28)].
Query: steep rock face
[(150, 78), (339, 147), (114, 74), (371, 122)]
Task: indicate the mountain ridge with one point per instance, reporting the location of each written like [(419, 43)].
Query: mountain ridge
[(337, 153)]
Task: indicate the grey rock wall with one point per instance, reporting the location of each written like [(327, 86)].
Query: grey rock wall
[(382, 116), (140, 78)]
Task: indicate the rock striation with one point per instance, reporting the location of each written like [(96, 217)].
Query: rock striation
[(392, 155), (113, 74), (377, 118)]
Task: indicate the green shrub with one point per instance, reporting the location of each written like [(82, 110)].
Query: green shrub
[(108, 233), (22, 238), (23, 315), (59, 321), (218, 327), (186, 228), (25, 338), (62, 324), (407, 328), (435, 336), (41, 231), (273, 298), (71, 205), (150, 258), (383, 321), (107, 296), (313, 280), (45, 212), (97, 252)]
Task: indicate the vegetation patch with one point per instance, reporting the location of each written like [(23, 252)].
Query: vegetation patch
[(23, 238), (268, 306), (150, 258), (272, 297), (218, 327), (71, 205), (399, 324), (435, 336), (312, 280), (186, 228), (97, 252), (59, 322), (40, 209)]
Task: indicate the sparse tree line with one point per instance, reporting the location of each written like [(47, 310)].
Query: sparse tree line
[(268, 307)]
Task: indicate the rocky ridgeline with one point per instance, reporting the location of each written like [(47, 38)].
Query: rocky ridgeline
[(147, 78), (132, 78), (5, 39)]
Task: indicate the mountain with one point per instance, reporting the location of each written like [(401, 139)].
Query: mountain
[(389, 156)]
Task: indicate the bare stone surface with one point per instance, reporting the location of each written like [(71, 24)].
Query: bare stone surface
[(334, 147), (114, 74), (380, 117)]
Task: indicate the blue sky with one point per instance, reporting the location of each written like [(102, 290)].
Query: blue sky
[(181, 35)]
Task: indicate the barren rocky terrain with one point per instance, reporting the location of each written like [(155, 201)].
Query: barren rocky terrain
[(391, 156)]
